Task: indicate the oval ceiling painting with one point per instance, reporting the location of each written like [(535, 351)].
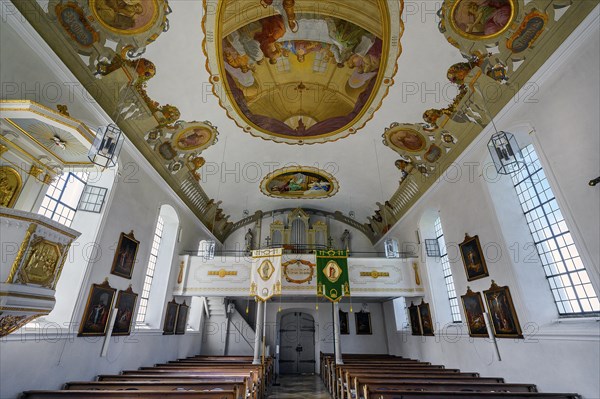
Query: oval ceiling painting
[(299, 182), (299, 71)]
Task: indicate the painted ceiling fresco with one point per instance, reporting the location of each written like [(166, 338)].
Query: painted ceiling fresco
[(298, 75), (299, 182), (302, 72)]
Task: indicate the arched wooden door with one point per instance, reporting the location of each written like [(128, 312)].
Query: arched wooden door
[(297, 344)]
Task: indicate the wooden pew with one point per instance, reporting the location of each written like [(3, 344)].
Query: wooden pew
[(401, 394), (254, 388), (471, 386), (238, 388), (355, 382), (344, 373), (127, 394), (240, 378)]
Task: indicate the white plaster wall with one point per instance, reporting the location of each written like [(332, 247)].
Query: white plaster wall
[(560, 356)]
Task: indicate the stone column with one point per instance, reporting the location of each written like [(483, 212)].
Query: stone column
[(336, 331), (258, 331)]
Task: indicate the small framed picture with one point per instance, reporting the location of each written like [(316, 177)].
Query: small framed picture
[(344, 327), (473, 306), (363, 323), (125, 254), (125, 306), (503, 315), (415, 319), (170, 318), (97, 310), (182, 315), (473, 259), (426, 321)]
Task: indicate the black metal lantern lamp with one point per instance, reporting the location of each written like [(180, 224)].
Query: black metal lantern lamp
[(505, 153), (107, 146)]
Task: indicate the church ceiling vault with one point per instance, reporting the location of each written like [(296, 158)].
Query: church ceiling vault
[(194, 85), (295, 72)]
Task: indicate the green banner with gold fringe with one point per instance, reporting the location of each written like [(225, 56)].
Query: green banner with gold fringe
[(332, 274)]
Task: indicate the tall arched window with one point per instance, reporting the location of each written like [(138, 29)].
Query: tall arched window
[(448, 279), (159, 267), (569, 281)]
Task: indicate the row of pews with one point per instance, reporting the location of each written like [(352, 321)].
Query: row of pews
[(202, 377), (391, 377)]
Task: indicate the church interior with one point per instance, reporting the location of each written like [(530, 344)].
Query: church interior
[(258, 199)]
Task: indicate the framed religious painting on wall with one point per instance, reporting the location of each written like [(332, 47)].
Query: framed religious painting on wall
[(415, 319), (363, 323), (125, 254), (473, 306), (426, 321), (503, 315), (170, 318), (125, 308), (473, 259), (97, 310), (344, 326), (182, 316)]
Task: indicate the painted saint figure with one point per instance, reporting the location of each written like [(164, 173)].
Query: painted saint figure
[(120, 14), (488, 17)]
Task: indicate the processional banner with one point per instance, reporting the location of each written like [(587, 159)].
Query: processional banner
[(266, 273), (332, 274)]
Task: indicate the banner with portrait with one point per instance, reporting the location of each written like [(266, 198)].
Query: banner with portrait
[(266, 273), (332, 274)]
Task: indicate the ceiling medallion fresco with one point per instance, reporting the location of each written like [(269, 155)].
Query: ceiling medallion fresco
[(179, 146), (132, 24), (299, 182), (294, 71)]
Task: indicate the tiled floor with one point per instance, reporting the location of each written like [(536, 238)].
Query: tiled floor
[(298, 387)]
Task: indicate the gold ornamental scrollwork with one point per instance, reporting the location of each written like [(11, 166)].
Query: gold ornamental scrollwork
[(21, 252), (222, 273), (287, 273), (11, 323), (374, 274)]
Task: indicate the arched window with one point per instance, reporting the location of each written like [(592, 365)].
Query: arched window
[(158, 271), (454, 309), (569, 281)]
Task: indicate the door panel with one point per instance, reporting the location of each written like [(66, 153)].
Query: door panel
[(297, 344)]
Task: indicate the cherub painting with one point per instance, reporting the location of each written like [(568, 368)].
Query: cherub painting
[(483, 18)]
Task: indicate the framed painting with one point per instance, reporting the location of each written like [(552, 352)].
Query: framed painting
[(415, 319), (170, 318), (125, 306), (473, 259), (503, 315), (363, 323), (425, 316), (182, 315), (482, 19), (344, 326), (97, 310), (125, 254), (474, 312)]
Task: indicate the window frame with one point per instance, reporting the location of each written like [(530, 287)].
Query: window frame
[(447, 272), (52, 214), (540, 222), (150, 270)]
